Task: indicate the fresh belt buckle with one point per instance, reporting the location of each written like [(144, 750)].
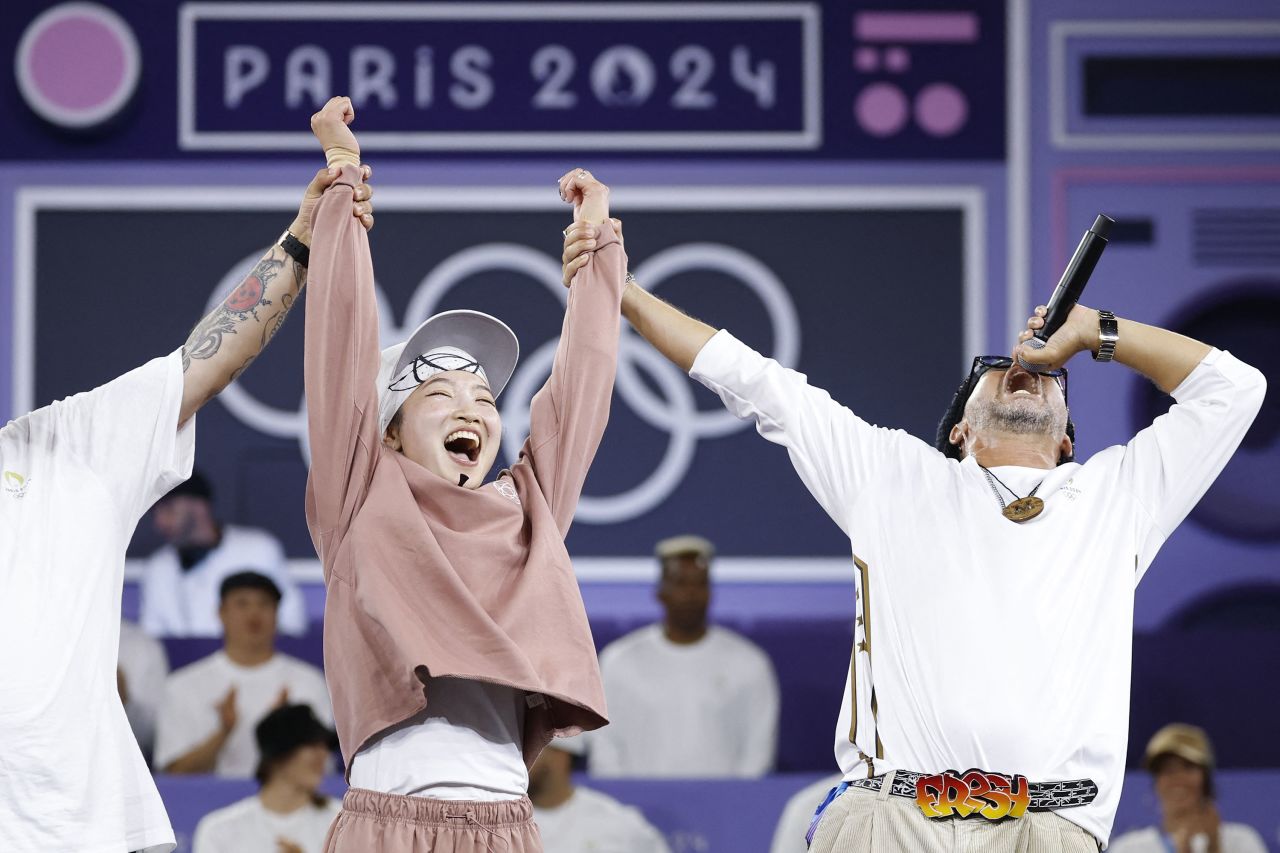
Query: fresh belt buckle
[(993, 796), (976, 793)]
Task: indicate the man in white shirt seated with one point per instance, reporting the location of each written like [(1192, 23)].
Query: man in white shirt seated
[(210, 707), (1180, 759), (572, 819), (288, 814), (797, 816), (181, 580), (686, 698), (140, 674)]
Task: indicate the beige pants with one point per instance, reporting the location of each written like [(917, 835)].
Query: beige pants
[(862, 821), (371, 822)]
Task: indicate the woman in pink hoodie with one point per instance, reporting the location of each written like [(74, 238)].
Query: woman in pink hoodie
[(456, 643)]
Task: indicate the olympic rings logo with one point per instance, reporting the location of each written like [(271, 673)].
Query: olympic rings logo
[(671, 410)]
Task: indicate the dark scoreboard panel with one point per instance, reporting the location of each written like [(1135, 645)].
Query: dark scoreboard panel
[(837, 79), (671, 453)]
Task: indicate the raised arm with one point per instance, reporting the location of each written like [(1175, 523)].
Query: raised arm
[(835, 452), (229, 338), (568, 415), (341, 360), (673, 333), (1164, 357), (1169, 465)]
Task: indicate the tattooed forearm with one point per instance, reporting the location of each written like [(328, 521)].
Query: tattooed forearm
[(276, 320), (206, 338), (230, 337)]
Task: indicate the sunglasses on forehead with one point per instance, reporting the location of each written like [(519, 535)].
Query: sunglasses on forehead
[(983, 363)]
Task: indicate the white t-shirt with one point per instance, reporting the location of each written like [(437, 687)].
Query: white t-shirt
[(982, 643), (248, 826), (177, 603), (1235, 837), (189, 712), (75, 477), (592, 822), (465, 746), (701, 710), (145, 665), (797, 814)]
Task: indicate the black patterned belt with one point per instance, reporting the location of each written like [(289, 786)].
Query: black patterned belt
[(979, 793)]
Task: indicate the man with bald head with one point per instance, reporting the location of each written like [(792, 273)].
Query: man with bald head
[(986, 703)]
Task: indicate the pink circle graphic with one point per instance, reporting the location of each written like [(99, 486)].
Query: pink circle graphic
[(77, 64), (897, 60), (881, 109), (866, 59), (941, 109)]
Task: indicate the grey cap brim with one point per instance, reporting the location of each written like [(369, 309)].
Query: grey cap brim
[(488, 340)]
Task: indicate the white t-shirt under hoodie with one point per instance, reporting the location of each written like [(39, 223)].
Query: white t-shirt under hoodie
[(464, 746), (700, 710), (189, 710), (980, 642), (248, 826), (75, 478)]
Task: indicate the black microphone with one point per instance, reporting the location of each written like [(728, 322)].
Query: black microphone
[(1067, 293)]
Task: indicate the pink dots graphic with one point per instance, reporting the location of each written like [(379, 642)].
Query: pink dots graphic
[(866, 59), (77, 64), (897, 60), (941, 109), (881, 109)]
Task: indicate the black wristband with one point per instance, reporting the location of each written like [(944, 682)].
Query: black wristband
[(295, 248)]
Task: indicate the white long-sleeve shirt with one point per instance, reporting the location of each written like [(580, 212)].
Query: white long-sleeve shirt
[(177, 603), (701, 710), (983, 643)]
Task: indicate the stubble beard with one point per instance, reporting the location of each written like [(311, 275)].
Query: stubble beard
[(1021, 417)]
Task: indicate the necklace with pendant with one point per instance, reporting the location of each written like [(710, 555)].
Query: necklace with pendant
[(1022, 509)]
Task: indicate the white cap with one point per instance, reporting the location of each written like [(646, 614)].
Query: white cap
[(451, 340)]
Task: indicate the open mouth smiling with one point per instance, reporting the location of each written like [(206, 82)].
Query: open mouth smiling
[(1021, 383), (463, 446)]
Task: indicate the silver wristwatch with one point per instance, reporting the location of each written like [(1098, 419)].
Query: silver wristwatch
[(1108, 335)]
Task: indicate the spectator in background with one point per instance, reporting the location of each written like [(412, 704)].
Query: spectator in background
[(790, 836), (181, 580), (288, 814), (210, 707), (686, 698), (579, 820), (140, 673), (1180, 759)]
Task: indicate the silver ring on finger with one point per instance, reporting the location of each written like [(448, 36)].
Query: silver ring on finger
[(565, 232), (582, 173)]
